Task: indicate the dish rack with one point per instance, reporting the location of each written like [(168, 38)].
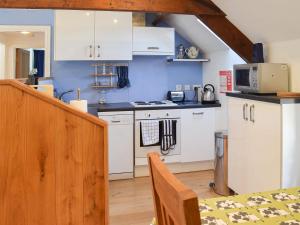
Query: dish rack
[(105, 75)]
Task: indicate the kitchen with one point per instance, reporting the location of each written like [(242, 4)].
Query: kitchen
[(151, 76), (165, 87), (72, 67)]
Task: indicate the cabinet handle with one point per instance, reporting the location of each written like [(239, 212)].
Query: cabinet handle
[(91, 51), (252, 107), (245, 116), (116, 121), (199, 113), (98, 51), (153, 48)]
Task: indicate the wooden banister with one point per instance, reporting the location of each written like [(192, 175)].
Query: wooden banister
[(53, 161)]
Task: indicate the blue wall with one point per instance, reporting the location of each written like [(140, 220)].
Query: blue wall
[(150, 76)]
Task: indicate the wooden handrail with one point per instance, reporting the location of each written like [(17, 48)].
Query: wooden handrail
[(52, 101), (53, 161)]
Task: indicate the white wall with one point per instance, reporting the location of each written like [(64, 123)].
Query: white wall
[(2, 61), (287, 52), (2, 55), (220, 60)]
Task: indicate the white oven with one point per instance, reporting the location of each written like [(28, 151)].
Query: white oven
[(166, 114)]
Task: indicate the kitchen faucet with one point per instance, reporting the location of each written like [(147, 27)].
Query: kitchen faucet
[(60, 97)]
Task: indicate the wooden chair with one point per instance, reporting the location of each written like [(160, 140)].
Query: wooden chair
[(175, 204)]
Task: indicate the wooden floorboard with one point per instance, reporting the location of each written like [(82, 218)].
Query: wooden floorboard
[(131, 200)]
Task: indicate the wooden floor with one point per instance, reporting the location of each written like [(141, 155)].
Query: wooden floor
[(131, 200)]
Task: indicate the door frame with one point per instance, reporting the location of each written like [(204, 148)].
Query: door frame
[(30, 28)]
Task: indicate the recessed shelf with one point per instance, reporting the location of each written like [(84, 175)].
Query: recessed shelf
[(187, 60)]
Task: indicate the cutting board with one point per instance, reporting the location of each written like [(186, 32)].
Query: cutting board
[(288, 94)]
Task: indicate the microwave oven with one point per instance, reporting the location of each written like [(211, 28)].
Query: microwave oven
[(261, 78)]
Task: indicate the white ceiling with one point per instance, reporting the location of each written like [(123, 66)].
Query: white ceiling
[(196, 33), (264, 20)]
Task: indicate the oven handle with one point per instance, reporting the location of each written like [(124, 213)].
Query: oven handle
[(177, 118)]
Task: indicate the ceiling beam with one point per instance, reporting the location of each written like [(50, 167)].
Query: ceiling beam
[(205, 10), (231, 35), (162, 6)]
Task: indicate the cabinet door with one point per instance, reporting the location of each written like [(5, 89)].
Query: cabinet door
[(153, 41), (74, 35), (113, 35), (264, 147), (237, 144), (197, 134)]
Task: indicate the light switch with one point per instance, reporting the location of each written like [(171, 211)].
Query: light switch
[(187, 87), (178, 87)]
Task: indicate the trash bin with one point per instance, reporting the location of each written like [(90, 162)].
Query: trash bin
[(220, 184)]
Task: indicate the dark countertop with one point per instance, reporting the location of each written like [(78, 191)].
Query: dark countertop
[(265, 98), (126, 106)]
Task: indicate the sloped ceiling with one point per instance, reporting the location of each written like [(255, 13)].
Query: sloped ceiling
[(264, 20), (191, 29)]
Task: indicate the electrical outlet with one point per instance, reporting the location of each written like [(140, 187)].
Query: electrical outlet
[(196, 86), (178, 87), (187, 87)]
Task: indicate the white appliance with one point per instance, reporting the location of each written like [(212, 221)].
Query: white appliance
[(120, 143), (142, 151), (261, 77), (153, 41)]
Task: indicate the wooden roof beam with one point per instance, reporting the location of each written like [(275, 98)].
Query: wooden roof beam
[(205, 10), (230, 34), (159, 6)]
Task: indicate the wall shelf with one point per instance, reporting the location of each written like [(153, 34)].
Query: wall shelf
[(187, 60), (106, 75)]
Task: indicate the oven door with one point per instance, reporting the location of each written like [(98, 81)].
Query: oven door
[(245, 78), (142, 151)]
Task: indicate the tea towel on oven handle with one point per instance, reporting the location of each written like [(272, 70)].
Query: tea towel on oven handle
[(167, 130)]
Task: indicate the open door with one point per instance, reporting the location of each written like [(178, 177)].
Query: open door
[(22, 63)]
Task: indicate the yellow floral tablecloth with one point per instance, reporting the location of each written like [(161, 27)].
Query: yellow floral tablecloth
[(281, 207)]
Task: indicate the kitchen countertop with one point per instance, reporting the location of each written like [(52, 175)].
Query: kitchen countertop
[(126, 106), (265, 98)]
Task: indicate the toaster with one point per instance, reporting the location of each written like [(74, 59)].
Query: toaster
[(176, 96)]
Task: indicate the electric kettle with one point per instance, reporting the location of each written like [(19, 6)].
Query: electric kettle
[(208, 95)]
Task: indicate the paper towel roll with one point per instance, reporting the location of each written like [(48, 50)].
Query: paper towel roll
[(80, 104)]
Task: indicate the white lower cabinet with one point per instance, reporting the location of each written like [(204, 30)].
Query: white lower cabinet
[(256, 132), (197, 134), (120, 143)]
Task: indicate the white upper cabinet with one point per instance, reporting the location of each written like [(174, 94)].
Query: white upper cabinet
[(113, 35), (74, 35), (153, 41), (91, 35)]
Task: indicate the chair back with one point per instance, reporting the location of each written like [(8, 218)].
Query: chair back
[(175, 204)]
